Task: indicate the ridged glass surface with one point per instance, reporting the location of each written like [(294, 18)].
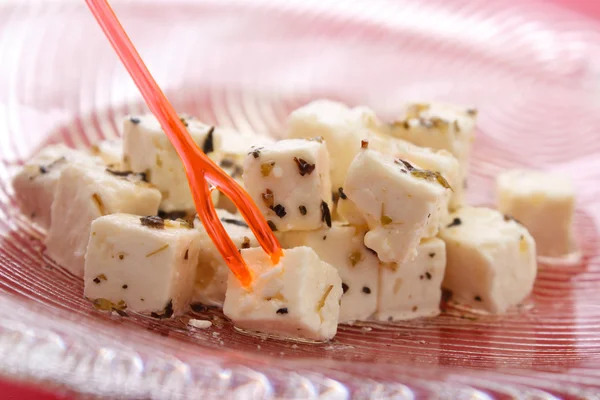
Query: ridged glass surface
[(533, 71)]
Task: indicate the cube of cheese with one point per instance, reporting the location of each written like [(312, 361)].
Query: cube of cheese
[(143, 264), (341, 127), (289, 181), (342, 247), (298, 297), (441, 127), (111, 152), (544, 203), (397, 199), (440, 161), (146, 148), (414, 288), (84, 194), (212, 270), (35, 183), (491, 262)]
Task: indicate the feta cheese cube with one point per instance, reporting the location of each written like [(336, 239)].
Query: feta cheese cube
[(35, 183), (111, 152), (414, 288), (544, 203), (84, 194), (212, 271), (342, 247), (289, 181), (441, 127), (397, 199), (146, 148), (143, 264), (298, 297), (341, 127), (491, 261)]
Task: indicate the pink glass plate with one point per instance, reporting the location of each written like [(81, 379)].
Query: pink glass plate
[(533, 71)]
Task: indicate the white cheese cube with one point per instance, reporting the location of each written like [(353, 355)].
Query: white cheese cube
[(414, 288), (341, 127), (84, 194), (289, 181), (212, 271), (544, 203), (35, 183), (298, 297), (491, 261), (111, 152), (146, 148), (441, 127), (342, 247), (440, 161), (142, 264), (397, 199)]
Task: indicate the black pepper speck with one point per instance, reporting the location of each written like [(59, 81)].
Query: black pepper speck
[(325, 214), (366, 290), (303, 210), (134, 120), (455, 222), (431, 255), (342, 194), (478, 298), (279, 210), (282, 311), (344, 287), (209, 145), (428, 275)]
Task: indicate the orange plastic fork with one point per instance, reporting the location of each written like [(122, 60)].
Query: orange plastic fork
[(198, 167)]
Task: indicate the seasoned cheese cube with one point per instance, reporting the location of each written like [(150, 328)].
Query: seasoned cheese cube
[(111, 152), (35, 183), (414, 288), (342, 247), (491, 261), (289, 181), (298, 297), (212, 271), (341, 127), (441, 127), (143, 264), (146, 148), (544, 203), (440, 161), (84, 194), (397, 199)]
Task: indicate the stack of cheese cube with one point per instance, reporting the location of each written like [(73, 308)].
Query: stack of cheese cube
[(100, 212), (371, 216)]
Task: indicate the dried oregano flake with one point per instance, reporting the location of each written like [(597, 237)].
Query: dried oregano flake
[(325, 213), (266, 168), (153, 221), (167, 312), (303, 166)]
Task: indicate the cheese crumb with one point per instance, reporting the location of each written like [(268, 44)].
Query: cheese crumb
[(200, 323)]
